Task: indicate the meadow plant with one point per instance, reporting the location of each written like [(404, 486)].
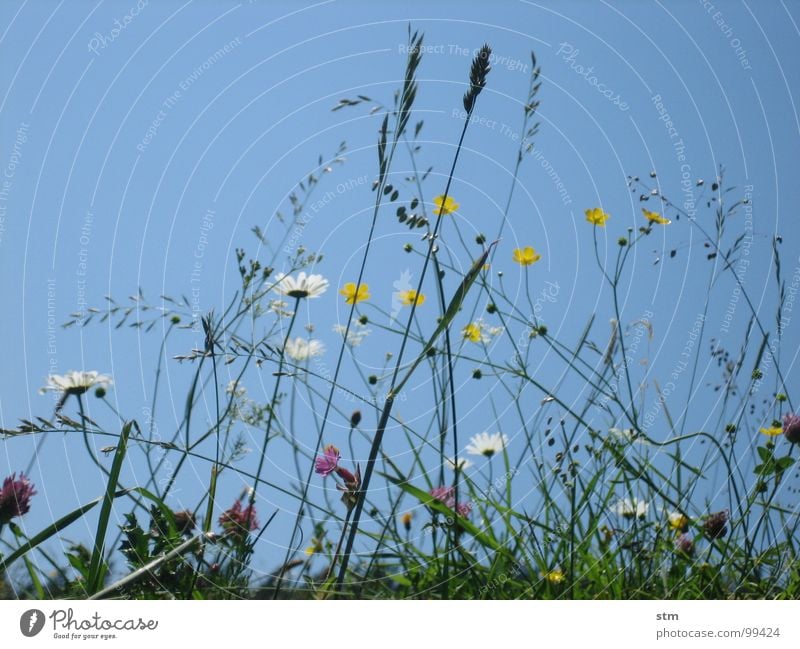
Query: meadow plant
[(574, 492)]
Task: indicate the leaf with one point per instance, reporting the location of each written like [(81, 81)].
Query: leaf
[(51, 530), (97, 567), (429, 501)]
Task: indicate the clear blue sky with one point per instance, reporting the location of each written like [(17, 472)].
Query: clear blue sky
[(117, 138)]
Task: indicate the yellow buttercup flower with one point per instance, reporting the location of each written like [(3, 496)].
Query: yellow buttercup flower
[(444, 206), (352, 296), (526, 256), (772, 431), (472, 332), (655, 217), (409, 297), (554, 576), (596, 216)]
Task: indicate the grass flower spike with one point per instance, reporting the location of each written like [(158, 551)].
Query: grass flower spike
[(596, 216), (353, 296), (526, 256), (301, 286), (444, 205), (655, 217)]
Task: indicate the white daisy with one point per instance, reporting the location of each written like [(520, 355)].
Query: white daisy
[(301, 286), (631, 507), (301, 349), (463, 463), (76, 382), (486, 444), (355, 336)]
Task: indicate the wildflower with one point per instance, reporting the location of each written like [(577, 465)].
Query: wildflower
[(607, 533), (355, 336), (184, 521), (472, 332), (463, 463), (409, 297), (301, 286), (554, 576), (714, 526), (444, 205), (355, 418), (238, 520), (486, 444), (300, 349), (526, 256), (597, 216), (328, 461), (684, 544), (447, 496), (75, 382), (480, 332), (15, 497), (655, 217), (791, 427), (631, 508), (316, 546), (405, 519), (353, 296), (678, 522), (351, 486), (772, 431)]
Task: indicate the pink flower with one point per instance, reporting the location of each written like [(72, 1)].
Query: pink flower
[(352, 484), (328, 461), (15, 497), (444, 495), (791, 427), (447, 496), (684, 544), (238, 519)]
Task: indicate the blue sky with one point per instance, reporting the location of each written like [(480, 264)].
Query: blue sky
[(140, 139)]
